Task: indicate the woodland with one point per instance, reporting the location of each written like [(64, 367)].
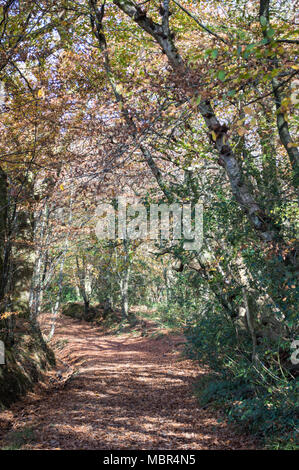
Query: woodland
[(161, 102)]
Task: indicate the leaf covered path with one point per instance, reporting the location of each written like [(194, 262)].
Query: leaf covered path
[(129, 393)]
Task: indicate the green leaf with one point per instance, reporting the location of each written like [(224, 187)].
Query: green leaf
[(221, 75), (263, 21), (270, 33)]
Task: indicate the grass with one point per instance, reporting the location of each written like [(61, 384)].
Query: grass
[(17, 439)]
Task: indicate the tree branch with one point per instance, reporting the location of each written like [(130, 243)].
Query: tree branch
[(199, 23)]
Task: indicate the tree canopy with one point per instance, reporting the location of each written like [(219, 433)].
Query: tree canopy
[(162, 102)]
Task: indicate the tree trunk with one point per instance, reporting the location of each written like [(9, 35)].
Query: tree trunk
[(124, 288), (84, 284), (3, 226), (124, 281), (282, 123), (38, 277)]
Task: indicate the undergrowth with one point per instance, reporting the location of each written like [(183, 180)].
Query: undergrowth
[(260, 398)]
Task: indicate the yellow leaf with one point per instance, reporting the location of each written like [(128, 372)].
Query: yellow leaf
[(41, 93), (61, 187), (248, 110), (241, 131)]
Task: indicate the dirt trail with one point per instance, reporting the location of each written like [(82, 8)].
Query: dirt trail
[(130, 393)]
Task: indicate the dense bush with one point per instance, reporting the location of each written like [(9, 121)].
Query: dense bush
[(260, 397)]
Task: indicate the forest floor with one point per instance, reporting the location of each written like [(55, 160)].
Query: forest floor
[(124, 391)]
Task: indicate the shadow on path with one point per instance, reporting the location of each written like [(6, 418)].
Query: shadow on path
[(130, 393)]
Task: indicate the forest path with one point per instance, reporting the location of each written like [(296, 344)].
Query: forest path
[(129, 393)]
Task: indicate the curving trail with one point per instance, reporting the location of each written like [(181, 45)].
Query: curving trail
[(129, 393)]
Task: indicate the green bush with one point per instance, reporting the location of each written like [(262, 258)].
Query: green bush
[(261, 398)]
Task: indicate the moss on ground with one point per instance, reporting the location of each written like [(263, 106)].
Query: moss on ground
[(17, 439)]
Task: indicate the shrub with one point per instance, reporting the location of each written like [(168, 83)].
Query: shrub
[(260, 398)]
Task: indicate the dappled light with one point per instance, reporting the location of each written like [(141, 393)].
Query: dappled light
[(130, 392), (149, 173)]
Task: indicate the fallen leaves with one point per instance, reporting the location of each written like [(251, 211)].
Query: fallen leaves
[(130, 393)]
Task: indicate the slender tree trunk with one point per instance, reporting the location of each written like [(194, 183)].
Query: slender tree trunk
[(84, 285), (55, 309), (282, 124), (5, 263), (251, 328), (77, 289), (3, 226), (124, 286), (167, 284), (86, 307), (124, 282), (36, 291)]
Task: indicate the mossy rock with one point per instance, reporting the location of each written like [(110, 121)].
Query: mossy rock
[(25, 362), (17, 439), (76, 310), (73, 310)]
